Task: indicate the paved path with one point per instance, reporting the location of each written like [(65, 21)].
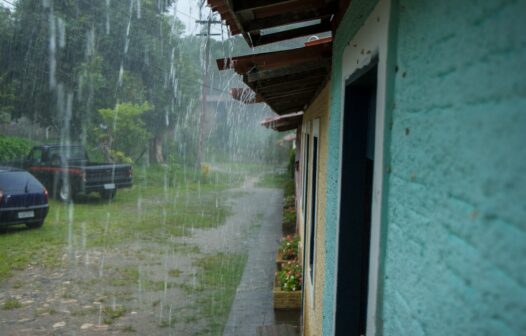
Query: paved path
[(252, 305)]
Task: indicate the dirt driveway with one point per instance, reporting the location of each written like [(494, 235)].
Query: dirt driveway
[(174, 286)]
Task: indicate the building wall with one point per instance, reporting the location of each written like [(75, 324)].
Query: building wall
[(454, 217), (456, 235), (312, 319)]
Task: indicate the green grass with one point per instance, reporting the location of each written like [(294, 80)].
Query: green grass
[(274, 180), (175, 273), (220, 275), (151, 211), (11, 303), (112, 313)]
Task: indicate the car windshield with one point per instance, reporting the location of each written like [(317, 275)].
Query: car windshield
[(68, 153)]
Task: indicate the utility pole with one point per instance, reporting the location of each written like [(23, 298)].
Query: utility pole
[(204, 92)]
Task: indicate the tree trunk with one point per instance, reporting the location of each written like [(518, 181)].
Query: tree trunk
[(156, 148), (106, 151)]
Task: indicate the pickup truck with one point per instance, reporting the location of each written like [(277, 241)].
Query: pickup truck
[(66, 171)]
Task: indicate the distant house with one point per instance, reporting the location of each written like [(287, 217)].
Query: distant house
[(412, 159)]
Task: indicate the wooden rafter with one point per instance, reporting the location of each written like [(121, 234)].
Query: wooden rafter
[(285, 18), (250, 17), (279, 73), (243, 5), (243, 64), (286, 80), (258, 39)]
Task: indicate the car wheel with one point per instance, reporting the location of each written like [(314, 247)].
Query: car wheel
[(108, 194), (65, 193), (35, 225)]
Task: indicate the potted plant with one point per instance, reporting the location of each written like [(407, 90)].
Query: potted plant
[(288, 285), (288, 250)]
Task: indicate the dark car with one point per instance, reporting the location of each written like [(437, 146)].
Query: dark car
[(23, 199), (67, 171)]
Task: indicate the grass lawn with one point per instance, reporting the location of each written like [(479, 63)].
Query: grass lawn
[(164, 202), (136, 230)]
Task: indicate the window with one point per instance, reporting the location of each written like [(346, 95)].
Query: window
[(313, 207), (304, 195), (36, 156)]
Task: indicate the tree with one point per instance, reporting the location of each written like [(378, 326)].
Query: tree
[(122, 134)]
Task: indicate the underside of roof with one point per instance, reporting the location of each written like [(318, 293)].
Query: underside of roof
[(289, 80), (284, 123), (286, 80), (257, 20)]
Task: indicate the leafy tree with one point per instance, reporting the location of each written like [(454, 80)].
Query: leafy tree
[(122, 134)]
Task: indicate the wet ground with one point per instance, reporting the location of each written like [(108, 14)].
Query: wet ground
[(150, 287)]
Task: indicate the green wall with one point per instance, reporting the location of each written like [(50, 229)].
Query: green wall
[(455, 210)]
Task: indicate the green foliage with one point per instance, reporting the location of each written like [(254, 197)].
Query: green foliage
[(122, 132), (183, 206), (282, 180), (11, 303), (112, 313), (290, 277), (291, 166), (13, 148), (289, 247), (220, 275)]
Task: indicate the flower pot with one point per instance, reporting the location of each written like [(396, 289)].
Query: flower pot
[(286, 299)]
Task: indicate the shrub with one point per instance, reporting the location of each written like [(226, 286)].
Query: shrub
[(122, 133), (289, 247), (14, 148), (290, 277)]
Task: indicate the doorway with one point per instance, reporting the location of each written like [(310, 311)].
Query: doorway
[(356, 201)]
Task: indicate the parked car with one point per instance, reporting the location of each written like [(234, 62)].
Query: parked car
[(67, 171), (23, 199)]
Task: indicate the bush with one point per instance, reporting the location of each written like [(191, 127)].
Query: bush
[(289, 247), (291, 166), (290, 276), (122, 135), (13, 148)]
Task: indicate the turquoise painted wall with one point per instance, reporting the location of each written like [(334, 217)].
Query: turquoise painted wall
[(455, 212)]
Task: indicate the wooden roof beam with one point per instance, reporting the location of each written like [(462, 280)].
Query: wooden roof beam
[(282, 72), (243, 5), (289, 7), (286, 18), (291, 93), (258, 39), (310, 80), (246, 96), (242, 64)]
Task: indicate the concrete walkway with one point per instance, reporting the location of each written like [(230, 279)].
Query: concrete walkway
[(252, 305)]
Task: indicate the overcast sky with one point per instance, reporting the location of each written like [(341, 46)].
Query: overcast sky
[(186, 10)]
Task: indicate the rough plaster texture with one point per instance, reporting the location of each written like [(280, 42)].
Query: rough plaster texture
[(455, 214), (456, 235), (312, 319)]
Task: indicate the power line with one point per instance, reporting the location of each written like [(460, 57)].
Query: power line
[(8, 2)]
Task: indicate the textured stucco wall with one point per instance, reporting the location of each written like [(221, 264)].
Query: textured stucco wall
[(456, 242), (456, 204), (312, 308)]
